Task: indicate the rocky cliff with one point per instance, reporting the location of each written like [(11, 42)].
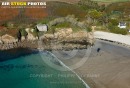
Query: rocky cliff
[(64, 38)]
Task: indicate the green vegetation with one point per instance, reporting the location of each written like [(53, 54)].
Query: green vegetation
[(88, 29), (23, 32), (8, 25), (62, 9), (88, 4), (122, 7), (117, 30), (80, 16), (63, 25), (114, 22), (94, 14), (65, 22), (35, 33)]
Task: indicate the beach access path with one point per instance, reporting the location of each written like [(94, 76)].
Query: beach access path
[(124, 39)]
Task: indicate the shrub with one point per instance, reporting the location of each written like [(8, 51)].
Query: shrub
[(89, 29), (63, 25), (117, 30), (110, 26), (67, 21), (56, 21), (23, 32), (114, 22), (35, 32)]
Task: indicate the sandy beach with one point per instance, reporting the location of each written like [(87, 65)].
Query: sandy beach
[(108, 68), (123, 39)]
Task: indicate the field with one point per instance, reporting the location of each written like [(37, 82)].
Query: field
[(6, 13), (56, 9), (28, 15), (35, 13), (120, 6), (63, 9)]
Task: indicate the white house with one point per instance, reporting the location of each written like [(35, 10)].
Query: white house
[(122, 25), (42, 27), (129, 30)]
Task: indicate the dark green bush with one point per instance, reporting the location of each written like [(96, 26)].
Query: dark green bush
[(35, 32), (118, 30), (89, 29), (114, 22), (63, 25), (23, 32)]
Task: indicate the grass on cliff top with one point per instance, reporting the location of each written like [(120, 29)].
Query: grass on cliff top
[(64, 25), (62, 9)]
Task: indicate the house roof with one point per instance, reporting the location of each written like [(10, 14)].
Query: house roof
[(122, 23), (41, 27)]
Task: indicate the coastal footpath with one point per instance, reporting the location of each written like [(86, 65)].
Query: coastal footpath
[(65, 39)]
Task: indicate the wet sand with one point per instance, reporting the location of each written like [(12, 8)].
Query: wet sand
[(108, 68)]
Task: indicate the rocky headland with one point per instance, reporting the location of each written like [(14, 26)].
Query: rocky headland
[(64, 38)]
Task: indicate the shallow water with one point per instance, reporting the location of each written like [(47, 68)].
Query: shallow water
[(31, 71)]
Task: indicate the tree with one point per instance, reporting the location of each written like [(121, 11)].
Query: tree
[(104, 19), (35, 32), (19, 36), (23, 32), (114, 22), (94, 14)]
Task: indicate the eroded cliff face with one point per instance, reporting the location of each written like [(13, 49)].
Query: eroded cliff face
[(8, 39), (67, 35), (63, 38)]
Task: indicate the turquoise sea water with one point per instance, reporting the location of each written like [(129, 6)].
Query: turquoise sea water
[(31, 71)]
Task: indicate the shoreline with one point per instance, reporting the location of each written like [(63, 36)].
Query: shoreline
[(114, 42), (70, 70), (115, 38), (89, 81)]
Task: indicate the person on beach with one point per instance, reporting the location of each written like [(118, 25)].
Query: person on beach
[(98, 50)]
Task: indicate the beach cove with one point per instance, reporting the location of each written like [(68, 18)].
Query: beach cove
[(107, 69)]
